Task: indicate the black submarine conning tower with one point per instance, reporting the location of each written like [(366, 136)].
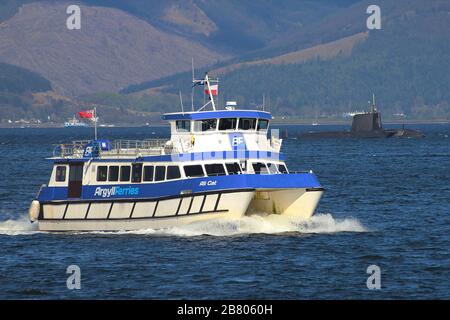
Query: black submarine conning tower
[(368, 121)]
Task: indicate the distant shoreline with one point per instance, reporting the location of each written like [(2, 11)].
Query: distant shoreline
[(274, 122), (334, 123)]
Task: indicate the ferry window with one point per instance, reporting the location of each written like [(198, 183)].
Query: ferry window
[(183, 125), (233, 168), (205, 125), (194, 171), (60, 174), (148, 173), (113, 174), (160, 173), (247, 124), (173, 172), (125, 173), (259, 168), (227, 124), (136, 172), (272, 168), (262, 124), (282, 168), (215, 169), (102, 173)]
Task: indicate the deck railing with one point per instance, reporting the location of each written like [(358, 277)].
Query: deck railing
[(73, 149), (76, 149), (136, 147), (148, 144)]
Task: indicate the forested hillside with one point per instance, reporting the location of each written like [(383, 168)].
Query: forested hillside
[(307, 58), (406, 64), (18, 80), (16, 86)]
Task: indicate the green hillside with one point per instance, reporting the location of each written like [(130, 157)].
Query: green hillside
[(18, 80), (15, 86), (407, 65)]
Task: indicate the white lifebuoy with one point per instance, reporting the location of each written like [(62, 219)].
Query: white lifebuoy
[(33, 212)]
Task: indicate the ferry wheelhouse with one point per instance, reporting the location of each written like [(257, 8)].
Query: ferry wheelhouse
[(216, 164)]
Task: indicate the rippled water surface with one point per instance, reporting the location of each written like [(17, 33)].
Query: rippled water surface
[(387, 203)]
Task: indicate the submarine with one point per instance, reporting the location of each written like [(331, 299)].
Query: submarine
[(366, 125)]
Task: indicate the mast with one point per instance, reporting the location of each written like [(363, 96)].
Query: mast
[(95, 122), (181, 102), (210, 91), (207, 83), (193, 81)]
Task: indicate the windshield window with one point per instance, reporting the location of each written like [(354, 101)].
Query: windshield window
[(183, 125), (205, 125), (227, 124), (263, 124), (247, 124)]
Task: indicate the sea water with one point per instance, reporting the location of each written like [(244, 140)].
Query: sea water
[(387, 203)]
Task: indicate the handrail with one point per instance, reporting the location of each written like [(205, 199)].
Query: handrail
[(76, 149), (70, 149), (139, 144)]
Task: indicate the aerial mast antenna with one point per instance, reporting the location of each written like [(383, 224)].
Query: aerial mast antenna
[(181, 102), (95, 122), (193, 81), (264, 101)]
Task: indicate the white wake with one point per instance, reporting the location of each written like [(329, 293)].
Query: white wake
[(254, 224), (271, 224), (21, 226), (258, 224)]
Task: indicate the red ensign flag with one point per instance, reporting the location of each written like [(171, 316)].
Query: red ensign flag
[(214, 89), (88, 114)]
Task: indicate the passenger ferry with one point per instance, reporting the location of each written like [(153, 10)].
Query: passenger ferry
[(75, 123), (217, 163)]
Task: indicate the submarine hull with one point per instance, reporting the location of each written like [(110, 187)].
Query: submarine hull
[(348, 134), (365, 125), (367, 135)]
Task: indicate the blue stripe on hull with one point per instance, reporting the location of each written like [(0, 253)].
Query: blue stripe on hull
[(194, 185), (183, 157)]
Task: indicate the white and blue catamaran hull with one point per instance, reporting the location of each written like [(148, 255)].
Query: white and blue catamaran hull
[(113, 208)]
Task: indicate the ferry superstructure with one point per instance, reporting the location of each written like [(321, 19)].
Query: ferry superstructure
[(75, 123), (216, 164)]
